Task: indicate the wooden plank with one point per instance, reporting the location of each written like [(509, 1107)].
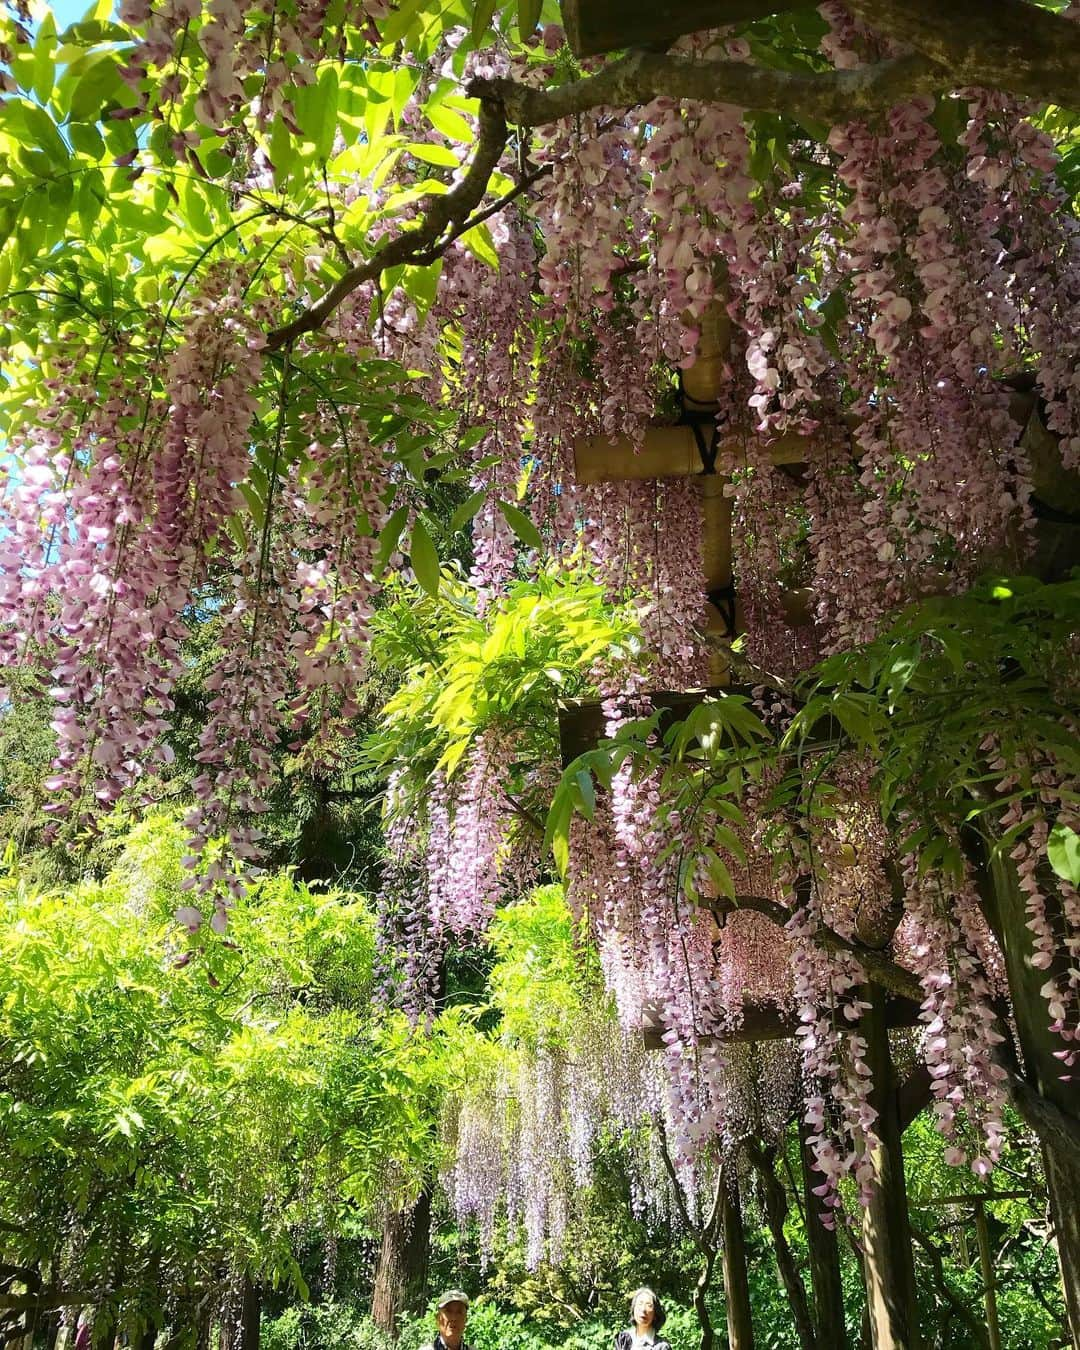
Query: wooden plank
[(597, 26)]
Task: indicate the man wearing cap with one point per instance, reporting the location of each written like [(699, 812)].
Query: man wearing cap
[(452, 1310)]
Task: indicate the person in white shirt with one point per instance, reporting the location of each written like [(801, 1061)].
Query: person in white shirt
[(647, 1316)]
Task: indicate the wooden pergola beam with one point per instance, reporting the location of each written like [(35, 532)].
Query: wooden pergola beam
[(666, 452), (611, 25), (764, 1022), (673, 451), (1013, 45)]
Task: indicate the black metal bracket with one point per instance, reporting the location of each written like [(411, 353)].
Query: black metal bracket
[(707, 450), (697, 419), (722, 598)]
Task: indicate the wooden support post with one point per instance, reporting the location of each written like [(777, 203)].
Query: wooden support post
[(888, 1263), (1005, 908), (703, 381), (989, 1283), (824, 1255), (736, 1283), (721, 620)]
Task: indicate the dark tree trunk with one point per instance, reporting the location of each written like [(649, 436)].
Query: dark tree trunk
[(736, 1284), (250, 1315), (104, 1333), (182, 1330), (824, 1252), (774, 1198), (401, 1273), (866, 1330), (1062, 1167), (706, 1236), (888, 1262)]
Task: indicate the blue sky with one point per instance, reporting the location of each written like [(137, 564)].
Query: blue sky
[(69, 11)]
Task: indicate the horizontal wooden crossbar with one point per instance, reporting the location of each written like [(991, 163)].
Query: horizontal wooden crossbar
[(666, 452), (764, 1022)]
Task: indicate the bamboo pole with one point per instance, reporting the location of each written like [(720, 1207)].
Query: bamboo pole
[(716, 556), (703, 381), (664, 452), (888, 1264), (989, 1282)]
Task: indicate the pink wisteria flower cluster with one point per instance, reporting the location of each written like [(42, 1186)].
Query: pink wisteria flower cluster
[(280, 45)]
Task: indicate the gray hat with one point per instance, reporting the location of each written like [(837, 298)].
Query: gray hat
[(452, 1296)]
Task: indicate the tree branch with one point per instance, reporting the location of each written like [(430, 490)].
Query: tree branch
[(775, 1204), (1003, 44), (48, 1300), (697, 1235), (833, 96), (527, 817), (1039, 1113), (937, 1267), (913, 1094), (423, 244), (613, 25)]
